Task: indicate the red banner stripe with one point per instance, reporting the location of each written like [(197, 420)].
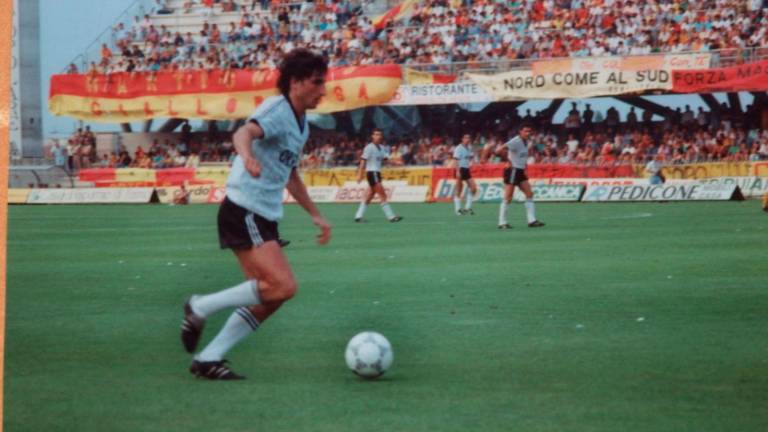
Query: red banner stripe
[(97, 174), (128, 85), (746, 77), (174, 175)]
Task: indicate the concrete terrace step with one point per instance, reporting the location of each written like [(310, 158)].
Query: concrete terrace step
[(178, 8), (193, 23)]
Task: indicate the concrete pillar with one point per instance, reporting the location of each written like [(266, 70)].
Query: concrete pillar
[(28, 37)]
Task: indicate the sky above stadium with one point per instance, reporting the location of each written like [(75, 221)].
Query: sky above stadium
[(68, 27)]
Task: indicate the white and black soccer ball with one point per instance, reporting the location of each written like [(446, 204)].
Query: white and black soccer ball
[(369, 354)]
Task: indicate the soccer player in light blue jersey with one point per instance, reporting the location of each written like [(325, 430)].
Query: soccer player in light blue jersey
[(373, 158), (464, 156), (268, 148), (516, 153)]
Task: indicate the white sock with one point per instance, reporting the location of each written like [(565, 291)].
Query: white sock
[(529, 210), (239, 325), (387, 210), (503, 212), (245, 294), (361, 210), (456, 203), (468, 203)]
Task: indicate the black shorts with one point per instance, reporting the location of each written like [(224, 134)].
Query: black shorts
[(374, 178), (464, 174), (514, 176), (240, 228)]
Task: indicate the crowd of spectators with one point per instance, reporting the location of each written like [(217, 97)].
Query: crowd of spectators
[(586, 137), (535, 29), (437, 32), (170, 154), (444, 31), (79, 151)]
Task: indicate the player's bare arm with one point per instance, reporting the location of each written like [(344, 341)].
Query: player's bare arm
[(242, 140), (492, 150), (298, 190), (361, 170), (457, 167)]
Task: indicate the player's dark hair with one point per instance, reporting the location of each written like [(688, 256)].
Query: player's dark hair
[(298, 65), (377, 130)]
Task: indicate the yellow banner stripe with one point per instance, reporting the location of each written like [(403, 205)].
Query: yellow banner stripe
[(342, 95)]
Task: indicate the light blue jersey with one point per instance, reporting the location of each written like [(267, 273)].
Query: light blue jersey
[(464, 155), (517, 151), (278, 152), (374, 155)]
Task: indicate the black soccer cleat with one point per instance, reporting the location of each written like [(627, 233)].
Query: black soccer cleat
[(359, 220), (536, 224), (283, 243), (396, 219), (505, 226), (213, 370), (191, 328), (469, 212)]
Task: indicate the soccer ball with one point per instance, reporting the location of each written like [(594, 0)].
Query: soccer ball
[(369, 354)]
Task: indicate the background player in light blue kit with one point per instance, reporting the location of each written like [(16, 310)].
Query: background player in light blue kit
[(268, 148), (373, 157), (516, 153), (464, 155)]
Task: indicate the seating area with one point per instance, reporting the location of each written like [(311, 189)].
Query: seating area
[(191, 34), (210, 34)]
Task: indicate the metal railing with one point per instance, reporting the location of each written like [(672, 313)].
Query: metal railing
[(719, 58), (92, 52), (40, 175)]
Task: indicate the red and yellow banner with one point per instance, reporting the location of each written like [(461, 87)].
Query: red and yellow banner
[(415, 176), (420, 175), (395, 14), (127, 177), (746, 77), (416, 77), (213, 95), (142, 177)]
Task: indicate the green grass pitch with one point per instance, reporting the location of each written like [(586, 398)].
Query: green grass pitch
[(614, 317)]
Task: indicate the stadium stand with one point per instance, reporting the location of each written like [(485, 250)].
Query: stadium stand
[(714, 139), (437, 33), (450, 36)]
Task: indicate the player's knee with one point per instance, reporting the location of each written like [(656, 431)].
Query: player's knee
[(289, 289), (278, 288), (286, 288)]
